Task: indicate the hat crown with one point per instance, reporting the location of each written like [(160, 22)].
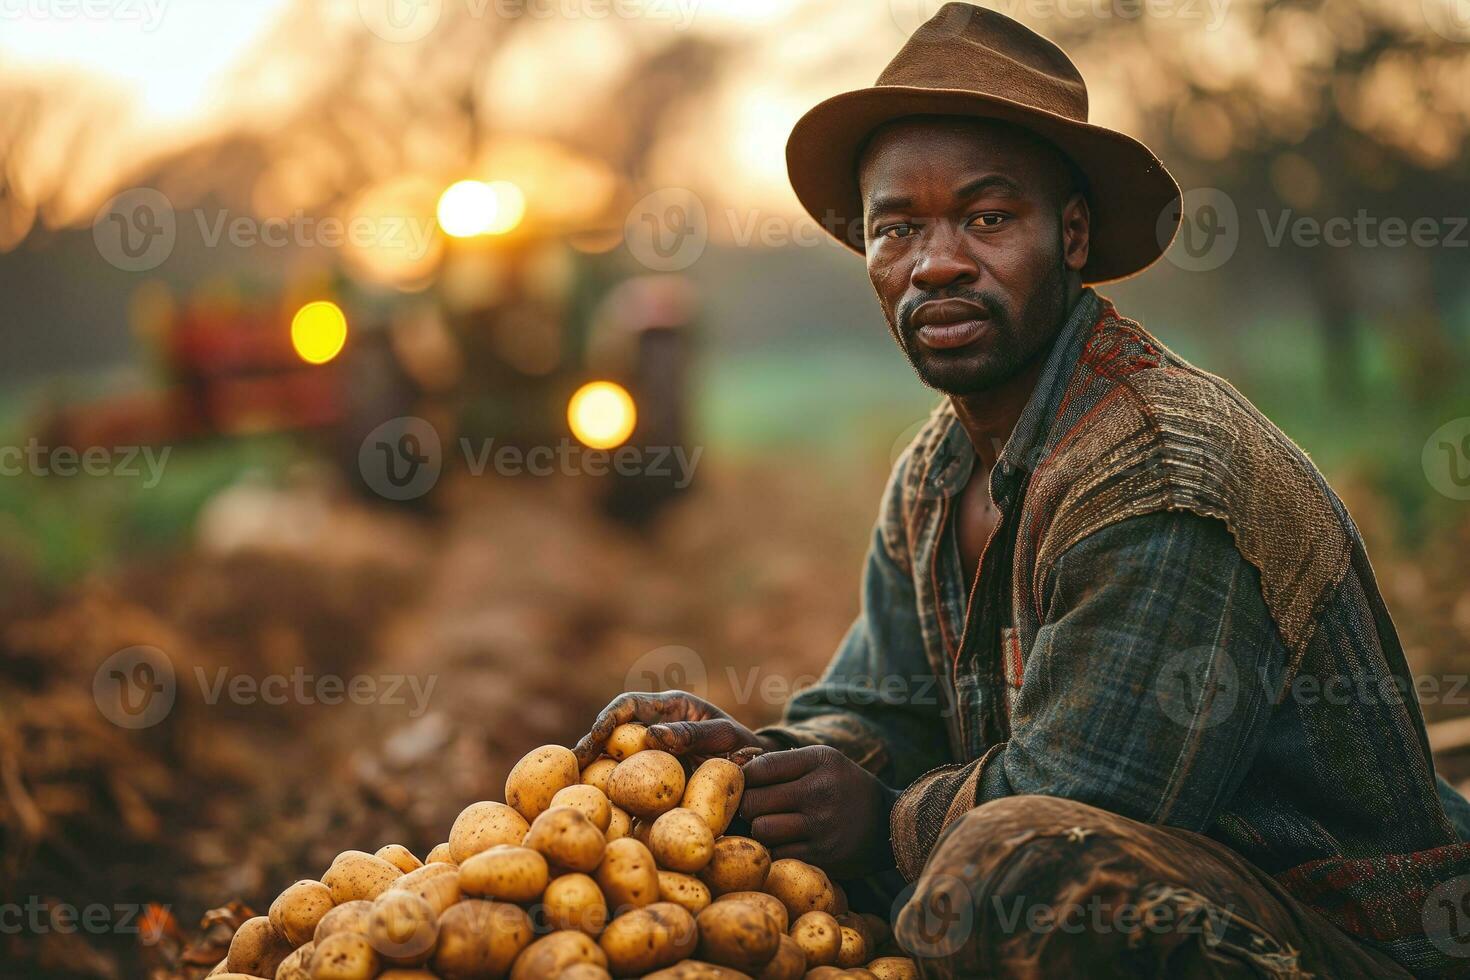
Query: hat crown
[(971, 48)]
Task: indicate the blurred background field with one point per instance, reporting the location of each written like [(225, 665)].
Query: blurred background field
[(629, 222)]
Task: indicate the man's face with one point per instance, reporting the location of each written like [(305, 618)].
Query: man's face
[(974, 238)]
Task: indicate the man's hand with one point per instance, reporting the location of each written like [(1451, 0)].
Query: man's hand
[(679, 723), (817, 805)]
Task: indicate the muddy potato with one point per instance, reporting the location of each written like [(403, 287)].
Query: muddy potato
[(770, 903), (697, 970), (597, 773), (349, 917), (819, 936), (647, 783), (627, 875), (789, 963), (738, 934), (590, 800), (574, 901), (681, 841), (567, 839), (437, 884), (359, 875), (298, 909), (626, 740), (257, 948), (399, 856), (480, 939), (859, 973), (620, 825), (480, 826), (402, 928), (646, 939), (297, 966), (538, 776), (855, 921), (552, 954), (714, 792), (839, 899), (801, 887), (853, 950), (684, 890), (345, 956), (738, 864), (506, 872), (894, 968), (440, 854), (584, 971), (827, 973)]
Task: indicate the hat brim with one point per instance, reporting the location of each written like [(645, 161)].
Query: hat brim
[(1133, 198)]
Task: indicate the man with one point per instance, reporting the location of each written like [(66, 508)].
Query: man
[(1123, 697)]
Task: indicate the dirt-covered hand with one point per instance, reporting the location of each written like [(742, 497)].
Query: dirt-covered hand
[(679, 722)]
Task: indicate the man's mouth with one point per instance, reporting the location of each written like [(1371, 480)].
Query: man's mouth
[(947, 324)]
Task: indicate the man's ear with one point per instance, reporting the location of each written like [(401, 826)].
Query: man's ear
[(1076, 231)]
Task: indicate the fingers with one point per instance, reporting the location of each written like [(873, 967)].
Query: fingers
[(782, 767), (705, 738), (776, 829), (624, 708), (781, 798)]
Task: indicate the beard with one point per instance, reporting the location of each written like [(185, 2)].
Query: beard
[(1012, 341)]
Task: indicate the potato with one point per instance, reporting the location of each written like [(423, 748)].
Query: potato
[(402, 928), (801, 887), (399, 856), (789, 963), (406, 975), (641, 830), (854, 921), (506, 872), (440, 853), (839, 899), (550, 955), (714, 792), (620, 825), (646, 939), (647, 783), (349, 917), (738, 864), (858, 973), (827, 973), (626, 740), (298, 909), (537, 777), (879, 929), (590, 800), (358, 875), (770, 903), (584, 971), (480, 939), (480, 826), (598, 771), (567, 838), (697, 970), (575, 902), (684, 890), (894, 968), (437, 884), (853, 952), (681, 841), (627, 875), (345, 956), (819, 936), (738, 934), (257, 948), (297, 966)]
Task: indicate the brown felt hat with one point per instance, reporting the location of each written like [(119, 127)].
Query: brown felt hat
[(969, 61)]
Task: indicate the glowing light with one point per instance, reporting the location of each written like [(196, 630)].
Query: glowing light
[(602, 415), (318, 332), (472, 207)]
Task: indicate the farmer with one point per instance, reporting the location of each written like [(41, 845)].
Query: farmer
[(1123, 697)]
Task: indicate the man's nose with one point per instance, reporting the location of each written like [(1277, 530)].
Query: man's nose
[(943, 262)]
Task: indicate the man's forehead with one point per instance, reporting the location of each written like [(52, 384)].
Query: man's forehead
[(956, 146)]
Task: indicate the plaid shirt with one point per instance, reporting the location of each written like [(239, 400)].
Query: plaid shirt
[(1175, 620)]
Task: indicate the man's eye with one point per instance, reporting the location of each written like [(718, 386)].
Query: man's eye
[(897, 231), (989, 219)]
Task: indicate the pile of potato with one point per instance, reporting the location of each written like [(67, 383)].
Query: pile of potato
[(622, 869)]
